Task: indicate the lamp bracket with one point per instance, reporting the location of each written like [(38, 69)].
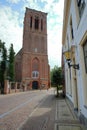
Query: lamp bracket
[(75, 66)]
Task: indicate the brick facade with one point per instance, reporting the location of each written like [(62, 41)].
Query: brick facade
[(31, 63)]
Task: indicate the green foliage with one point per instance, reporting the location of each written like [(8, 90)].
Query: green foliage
[(11, 54), (6, 64), (11, 63), (0, 45), (56, 77), (3, 52)]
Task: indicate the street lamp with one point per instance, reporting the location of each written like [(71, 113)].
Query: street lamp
[(67, 55)]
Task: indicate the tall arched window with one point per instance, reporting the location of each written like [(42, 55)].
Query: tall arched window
[(41, 24), (36, 23), (31, 22), (35, 68)]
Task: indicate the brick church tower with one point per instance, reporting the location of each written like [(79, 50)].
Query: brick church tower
[(32, 59)]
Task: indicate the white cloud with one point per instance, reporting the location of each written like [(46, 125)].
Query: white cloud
[(58, 8), (10, 32), (31, 4), (13, 1), (54, 45)]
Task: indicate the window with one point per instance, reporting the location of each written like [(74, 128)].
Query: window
[(35, 65), (35, 74), (68, 42), (35, 68), (71, 27), (41, 24), (36, 23), (31, 22), (81, 6), (85, 54)]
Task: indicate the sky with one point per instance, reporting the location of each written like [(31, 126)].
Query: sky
[(11, 24)]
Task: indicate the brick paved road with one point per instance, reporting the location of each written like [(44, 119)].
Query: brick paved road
[(37, 110), (53, 114), (16, 108), (43, 116)]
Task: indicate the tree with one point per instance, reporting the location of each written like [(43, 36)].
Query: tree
[(0, 45), (6, 64), (56, 77), (3, 52), (11, 63)]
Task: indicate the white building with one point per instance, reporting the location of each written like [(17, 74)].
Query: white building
[(74, 40)]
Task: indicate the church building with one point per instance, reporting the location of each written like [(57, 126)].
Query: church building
[(31, 62)]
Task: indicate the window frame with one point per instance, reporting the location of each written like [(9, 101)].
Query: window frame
[(81, 6), (85, 54), (35, 74), (71, 29)]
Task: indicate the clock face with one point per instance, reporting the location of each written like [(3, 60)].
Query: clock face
[(35, 49)]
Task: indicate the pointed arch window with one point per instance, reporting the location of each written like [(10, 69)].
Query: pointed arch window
[(35, 68), (31, 22), (41, 24), (36, 23)]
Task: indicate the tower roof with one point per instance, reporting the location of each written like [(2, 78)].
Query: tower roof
[(33, 10)]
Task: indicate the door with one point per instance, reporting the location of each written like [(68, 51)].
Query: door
[(35, 85)]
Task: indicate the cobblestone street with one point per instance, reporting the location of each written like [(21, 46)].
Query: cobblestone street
[(54, 114), (37, 110)]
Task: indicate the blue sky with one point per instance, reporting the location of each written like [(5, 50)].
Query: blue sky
[(11, 24)]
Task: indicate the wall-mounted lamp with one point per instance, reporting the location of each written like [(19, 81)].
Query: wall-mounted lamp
[(67, 55)]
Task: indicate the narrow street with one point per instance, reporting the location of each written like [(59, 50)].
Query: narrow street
[(15, 109), (36, 110)]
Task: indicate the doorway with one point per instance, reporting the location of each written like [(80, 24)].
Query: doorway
[(35, 85)]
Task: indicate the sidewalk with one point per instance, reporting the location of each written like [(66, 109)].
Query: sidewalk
[(53, 114), (65, 118)]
